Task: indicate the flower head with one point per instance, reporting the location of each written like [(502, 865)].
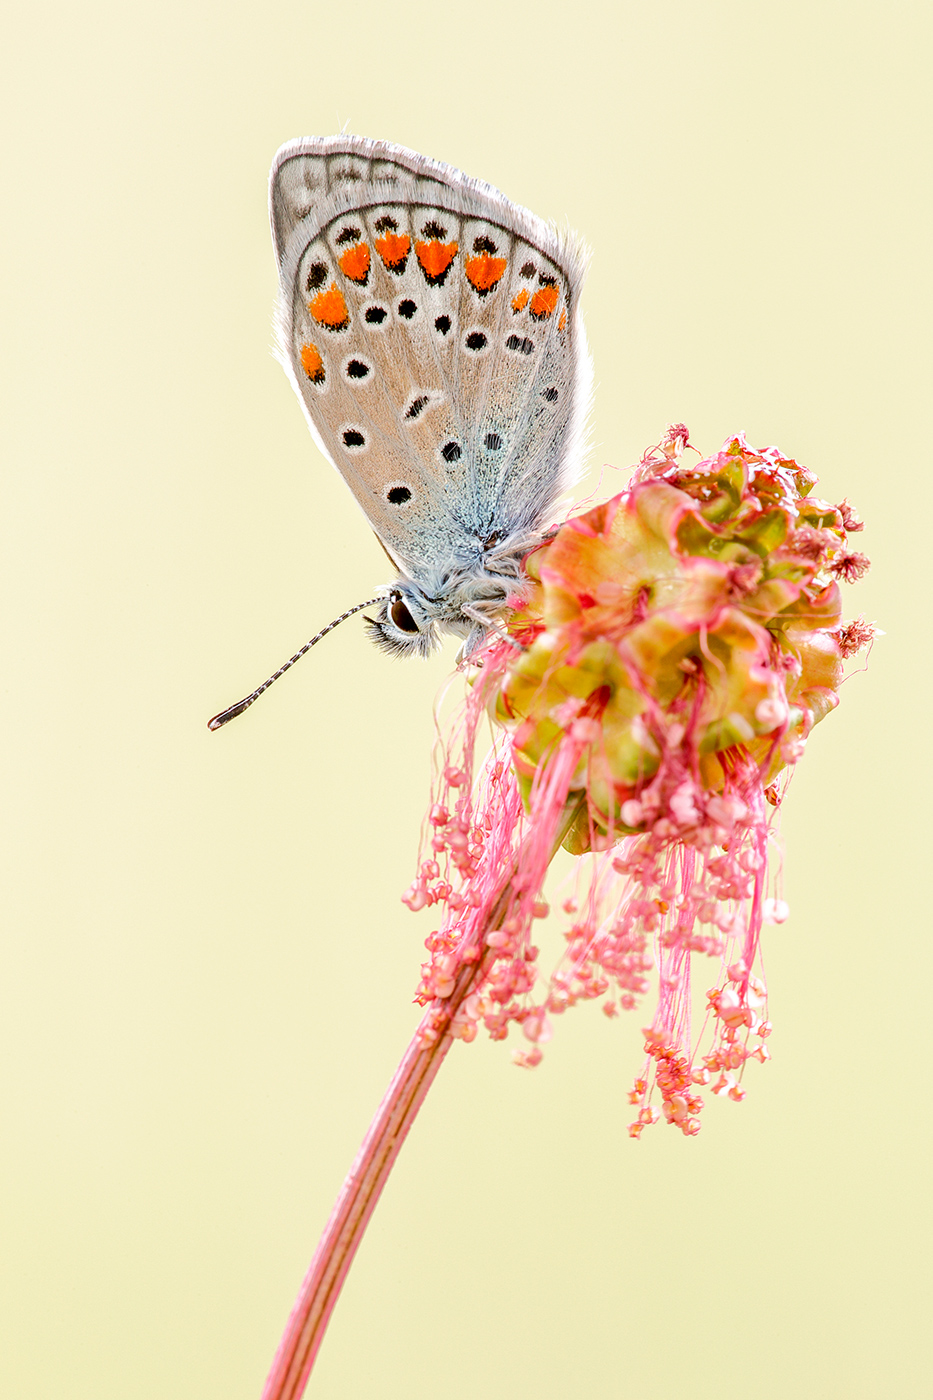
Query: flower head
[(662, 673)]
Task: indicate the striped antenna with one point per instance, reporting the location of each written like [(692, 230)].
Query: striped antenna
[(226, 715)]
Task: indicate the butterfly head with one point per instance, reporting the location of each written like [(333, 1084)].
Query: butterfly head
[(466, 599)]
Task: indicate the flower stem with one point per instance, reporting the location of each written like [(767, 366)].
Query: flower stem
[(362, 1188), (360, 1192)]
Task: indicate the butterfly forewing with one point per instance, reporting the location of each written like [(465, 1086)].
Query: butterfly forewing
[(430, 328)]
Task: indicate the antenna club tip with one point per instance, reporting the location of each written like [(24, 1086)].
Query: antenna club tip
[(226, 715)]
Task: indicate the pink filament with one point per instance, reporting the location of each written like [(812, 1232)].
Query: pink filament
[(693, 882)]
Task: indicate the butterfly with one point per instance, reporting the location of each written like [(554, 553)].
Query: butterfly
[(431, 330)]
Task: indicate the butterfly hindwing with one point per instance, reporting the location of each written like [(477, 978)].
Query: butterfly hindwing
[(431, 330)]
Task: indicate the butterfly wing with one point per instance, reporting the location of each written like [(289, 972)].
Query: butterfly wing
[(431, 329)]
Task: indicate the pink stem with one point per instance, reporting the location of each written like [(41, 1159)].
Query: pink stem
[(362, 1189)]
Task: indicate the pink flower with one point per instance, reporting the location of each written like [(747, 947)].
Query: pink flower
[(672, 654)]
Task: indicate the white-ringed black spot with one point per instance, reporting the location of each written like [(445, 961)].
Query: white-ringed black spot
[(407, 308), (348, 235), (442, 324), (398, 495), (317, 275), (493, 442), (375, 315), (528, 269), (451, 451), (520, 343), (353, 438), (417, 406), (476, 341), (550, 394), (357, 369)]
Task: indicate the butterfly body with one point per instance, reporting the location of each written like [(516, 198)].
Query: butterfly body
[(431, 330)]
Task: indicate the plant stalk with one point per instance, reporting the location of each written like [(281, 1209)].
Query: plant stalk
[(362, 1188)]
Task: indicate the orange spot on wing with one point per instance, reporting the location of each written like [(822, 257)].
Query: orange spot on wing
[(393, 249), (355, 263), (435, 258), (543, 302), (563, 320), (521, 301), (312, 364), (329, 309), (485, 271)]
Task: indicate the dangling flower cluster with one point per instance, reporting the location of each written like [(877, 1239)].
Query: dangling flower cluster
[(661, 676)]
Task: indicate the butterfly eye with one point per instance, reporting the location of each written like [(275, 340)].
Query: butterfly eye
[(402, 617)]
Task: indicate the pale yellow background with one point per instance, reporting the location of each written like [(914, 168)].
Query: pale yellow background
[(207, 973)]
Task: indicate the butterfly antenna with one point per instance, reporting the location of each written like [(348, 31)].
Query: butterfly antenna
[(231, 713)]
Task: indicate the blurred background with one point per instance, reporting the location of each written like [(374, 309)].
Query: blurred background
[(207, 973)]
